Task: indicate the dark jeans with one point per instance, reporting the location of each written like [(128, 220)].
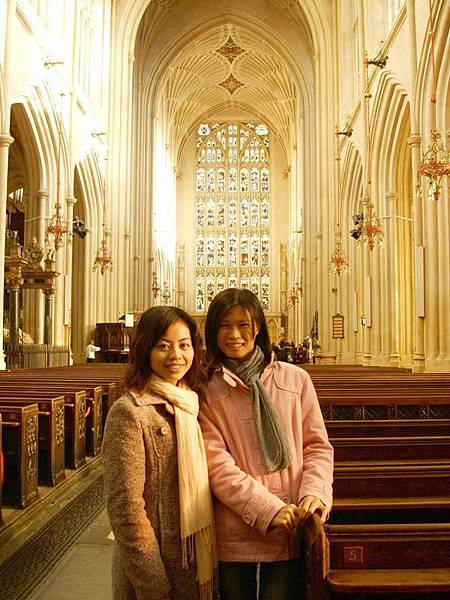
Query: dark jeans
[(284, 580)]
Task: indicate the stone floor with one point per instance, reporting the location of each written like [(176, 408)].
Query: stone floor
[(84, 571)]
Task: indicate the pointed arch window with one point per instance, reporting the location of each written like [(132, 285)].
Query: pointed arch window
[(232, 210)]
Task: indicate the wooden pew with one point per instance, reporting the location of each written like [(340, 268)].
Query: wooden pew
[(388, 427), (390, 509), (74, 418), (20, 430), (392, 482), (389, 478), (80, 375), (51, 459), (93, 400), (392, 448), (389, 559), (64, 375), (2, 471), (385, 407)]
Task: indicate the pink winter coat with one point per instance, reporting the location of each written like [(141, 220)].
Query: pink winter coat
[(246, 496)]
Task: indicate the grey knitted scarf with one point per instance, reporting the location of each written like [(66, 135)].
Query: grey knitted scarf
[(274, 445)]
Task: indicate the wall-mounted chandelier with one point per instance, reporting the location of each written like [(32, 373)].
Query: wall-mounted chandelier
[(371, 229), (435, 163), (103, 261), (57, 227), (338, 261)]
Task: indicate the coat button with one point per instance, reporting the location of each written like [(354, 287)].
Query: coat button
[(247, 518), (286, 499), (164, 430)]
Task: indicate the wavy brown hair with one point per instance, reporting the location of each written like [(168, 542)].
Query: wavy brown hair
[(219, 305), (151, 327)]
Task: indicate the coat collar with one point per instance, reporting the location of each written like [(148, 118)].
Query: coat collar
[(233, 380), (149, 399)]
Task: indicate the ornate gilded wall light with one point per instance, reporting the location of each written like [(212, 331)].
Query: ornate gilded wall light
[(435, 163), (371, 229), (339, 262), (57, 227), (103, 260)]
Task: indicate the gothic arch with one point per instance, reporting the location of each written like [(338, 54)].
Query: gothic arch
[(88, 296), (351, 285), (393, 266)]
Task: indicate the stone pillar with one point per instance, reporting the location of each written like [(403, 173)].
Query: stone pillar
[(49, 295), (367, 296), (14, 342), (414, 143), (181, 282), (394, 341), (42, 198), (5, 141)]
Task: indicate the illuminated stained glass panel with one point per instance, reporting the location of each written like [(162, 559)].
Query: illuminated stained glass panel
[(232, 210)]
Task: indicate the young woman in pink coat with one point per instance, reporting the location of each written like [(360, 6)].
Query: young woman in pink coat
[(269, 459)]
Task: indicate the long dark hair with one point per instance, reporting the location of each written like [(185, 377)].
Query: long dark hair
[(219, 305), (151, 327)]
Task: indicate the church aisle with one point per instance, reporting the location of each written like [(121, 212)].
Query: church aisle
[(84, 571)]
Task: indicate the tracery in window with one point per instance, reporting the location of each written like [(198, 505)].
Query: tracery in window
[(232, 210)]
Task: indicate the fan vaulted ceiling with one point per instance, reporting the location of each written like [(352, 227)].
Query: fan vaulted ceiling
[(228, 68)]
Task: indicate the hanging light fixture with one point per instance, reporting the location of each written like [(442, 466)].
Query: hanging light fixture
[(103, 260), (371, 229), (58, 225), (339, 262), (435, 163)]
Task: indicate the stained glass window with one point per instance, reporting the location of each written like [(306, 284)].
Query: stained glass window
[(232, 210)]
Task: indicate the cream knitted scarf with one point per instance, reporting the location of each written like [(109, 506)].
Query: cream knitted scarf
[(196, 509)]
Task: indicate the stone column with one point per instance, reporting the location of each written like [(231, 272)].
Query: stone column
[(42, 198), (394, 342), (414, 143), (13, 287), (5, 141), (49, 295), (366, 283)]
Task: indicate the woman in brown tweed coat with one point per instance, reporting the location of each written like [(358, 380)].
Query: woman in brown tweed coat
[(164, 548)]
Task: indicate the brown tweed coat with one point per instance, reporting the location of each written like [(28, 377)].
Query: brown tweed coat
[(141, 487)]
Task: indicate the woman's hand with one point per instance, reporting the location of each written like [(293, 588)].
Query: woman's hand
[(286, 519), (309, 505)]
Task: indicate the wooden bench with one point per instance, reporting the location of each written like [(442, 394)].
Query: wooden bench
[(108, 378), (388, 559), (391, 448), (390, 478), (385, 407), (390, 509), (51, 459), (387, 428), (94, 394), (93, 405), (2, 471), (386, 494), (20, 431), (74, 418), (64, 375)]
